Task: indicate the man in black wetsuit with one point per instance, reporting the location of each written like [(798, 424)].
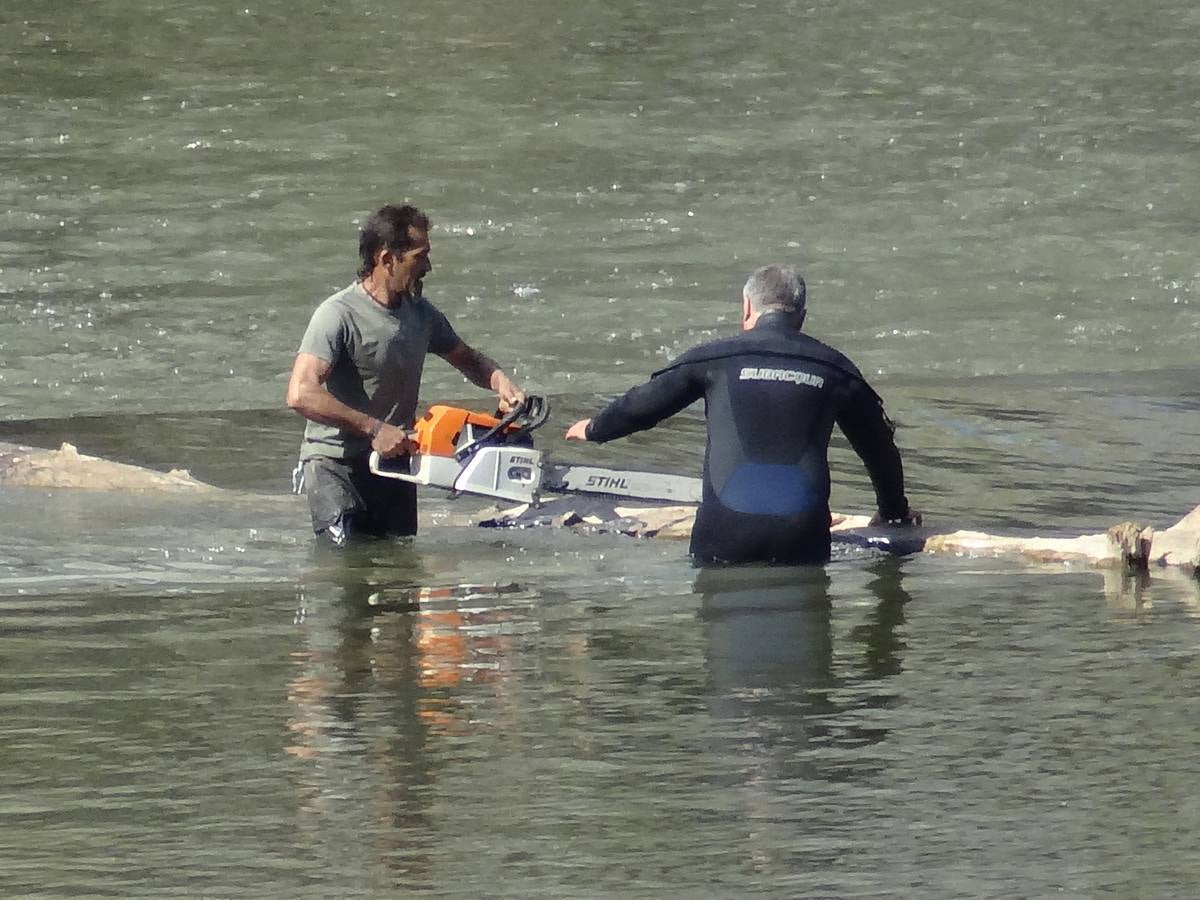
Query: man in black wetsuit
[(772, 396)]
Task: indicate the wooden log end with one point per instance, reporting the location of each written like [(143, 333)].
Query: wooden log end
[(1179, 545), (1132, 543), (1183, 553)]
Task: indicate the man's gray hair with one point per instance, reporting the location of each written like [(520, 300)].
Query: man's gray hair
[(775, 287)]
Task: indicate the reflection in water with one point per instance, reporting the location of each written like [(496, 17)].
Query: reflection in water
[(385, 670), (781, 679), (1136, 591)]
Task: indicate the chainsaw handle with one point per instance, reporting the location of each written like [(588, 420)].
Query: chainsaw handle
[(530, 413), (376, 465)]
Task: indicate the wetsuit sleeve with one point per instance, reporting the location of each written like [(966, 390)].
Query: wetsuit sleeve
[(870, 433), (644, 406)]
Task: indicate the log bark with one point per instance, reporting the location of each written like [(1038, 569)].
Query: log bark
[(1128, 546), (66, 467)]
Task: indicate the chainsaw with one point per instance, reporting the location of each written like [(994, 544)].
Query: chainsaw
[(493, 456)]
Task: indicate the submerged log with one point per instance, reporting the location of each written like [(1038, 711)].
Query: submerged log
[(66, 467), (1127, 545)]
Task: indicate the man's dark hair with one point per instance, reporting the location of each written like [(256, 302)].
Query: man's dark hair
[(390, 227)]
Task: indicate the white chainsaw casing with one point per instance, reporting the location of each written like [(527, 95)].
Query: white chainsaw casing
[(510, 473), (507, 473)]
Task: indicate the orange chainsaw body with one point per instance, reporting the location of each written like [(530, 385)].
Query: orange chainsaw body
[(440, 431)]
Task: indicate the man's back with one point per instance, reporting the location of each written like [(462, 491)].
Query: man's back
[(772, 396)]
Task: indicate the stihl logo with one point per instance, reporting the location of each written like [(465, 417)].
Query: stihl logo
[(607, 481), (525, 460)]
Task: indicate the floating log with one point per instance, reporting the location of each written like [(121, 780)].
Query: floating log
[(1127, 545), (66, 467)]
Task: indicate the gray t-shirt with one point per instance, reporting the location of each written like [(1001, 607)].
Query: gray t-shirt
[(377, 355)]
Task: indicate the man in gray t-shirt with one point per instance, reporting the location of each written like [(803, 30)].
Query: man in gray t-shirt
[(358, 373)]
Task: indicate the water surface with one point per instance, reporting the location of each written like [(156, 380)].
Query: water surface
[(995, 208)]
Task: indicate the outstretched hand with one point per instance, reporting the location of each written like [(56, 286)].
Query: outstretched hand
[(578, 431)]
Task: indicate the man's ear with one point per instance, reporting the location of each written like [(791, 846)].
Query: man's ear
[(746, 311), (384, 256)]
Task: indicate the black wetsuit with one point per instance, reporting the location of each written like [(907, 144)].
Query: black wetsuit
[(772, 396)]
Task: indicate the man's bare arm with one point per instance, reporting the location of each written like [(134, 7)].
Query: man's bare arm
[(306, 394), (482, 370)]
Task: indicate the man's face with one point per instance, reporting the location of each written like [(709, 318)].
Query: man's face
[(407, 270)]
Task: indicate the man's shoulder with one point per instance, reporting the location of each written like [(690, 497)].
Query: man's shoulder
[(423, 306), (717, 348), (340, 303), (820, 349), (442, 336), (776, 343), (348, 297)]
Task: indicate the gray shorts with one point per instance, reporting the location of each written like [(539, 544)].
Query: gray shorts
[(346, 500)]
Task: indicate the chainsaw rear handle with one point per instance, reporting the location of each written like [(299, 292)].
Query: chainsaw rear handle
[(504, 473), (376, 464)]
